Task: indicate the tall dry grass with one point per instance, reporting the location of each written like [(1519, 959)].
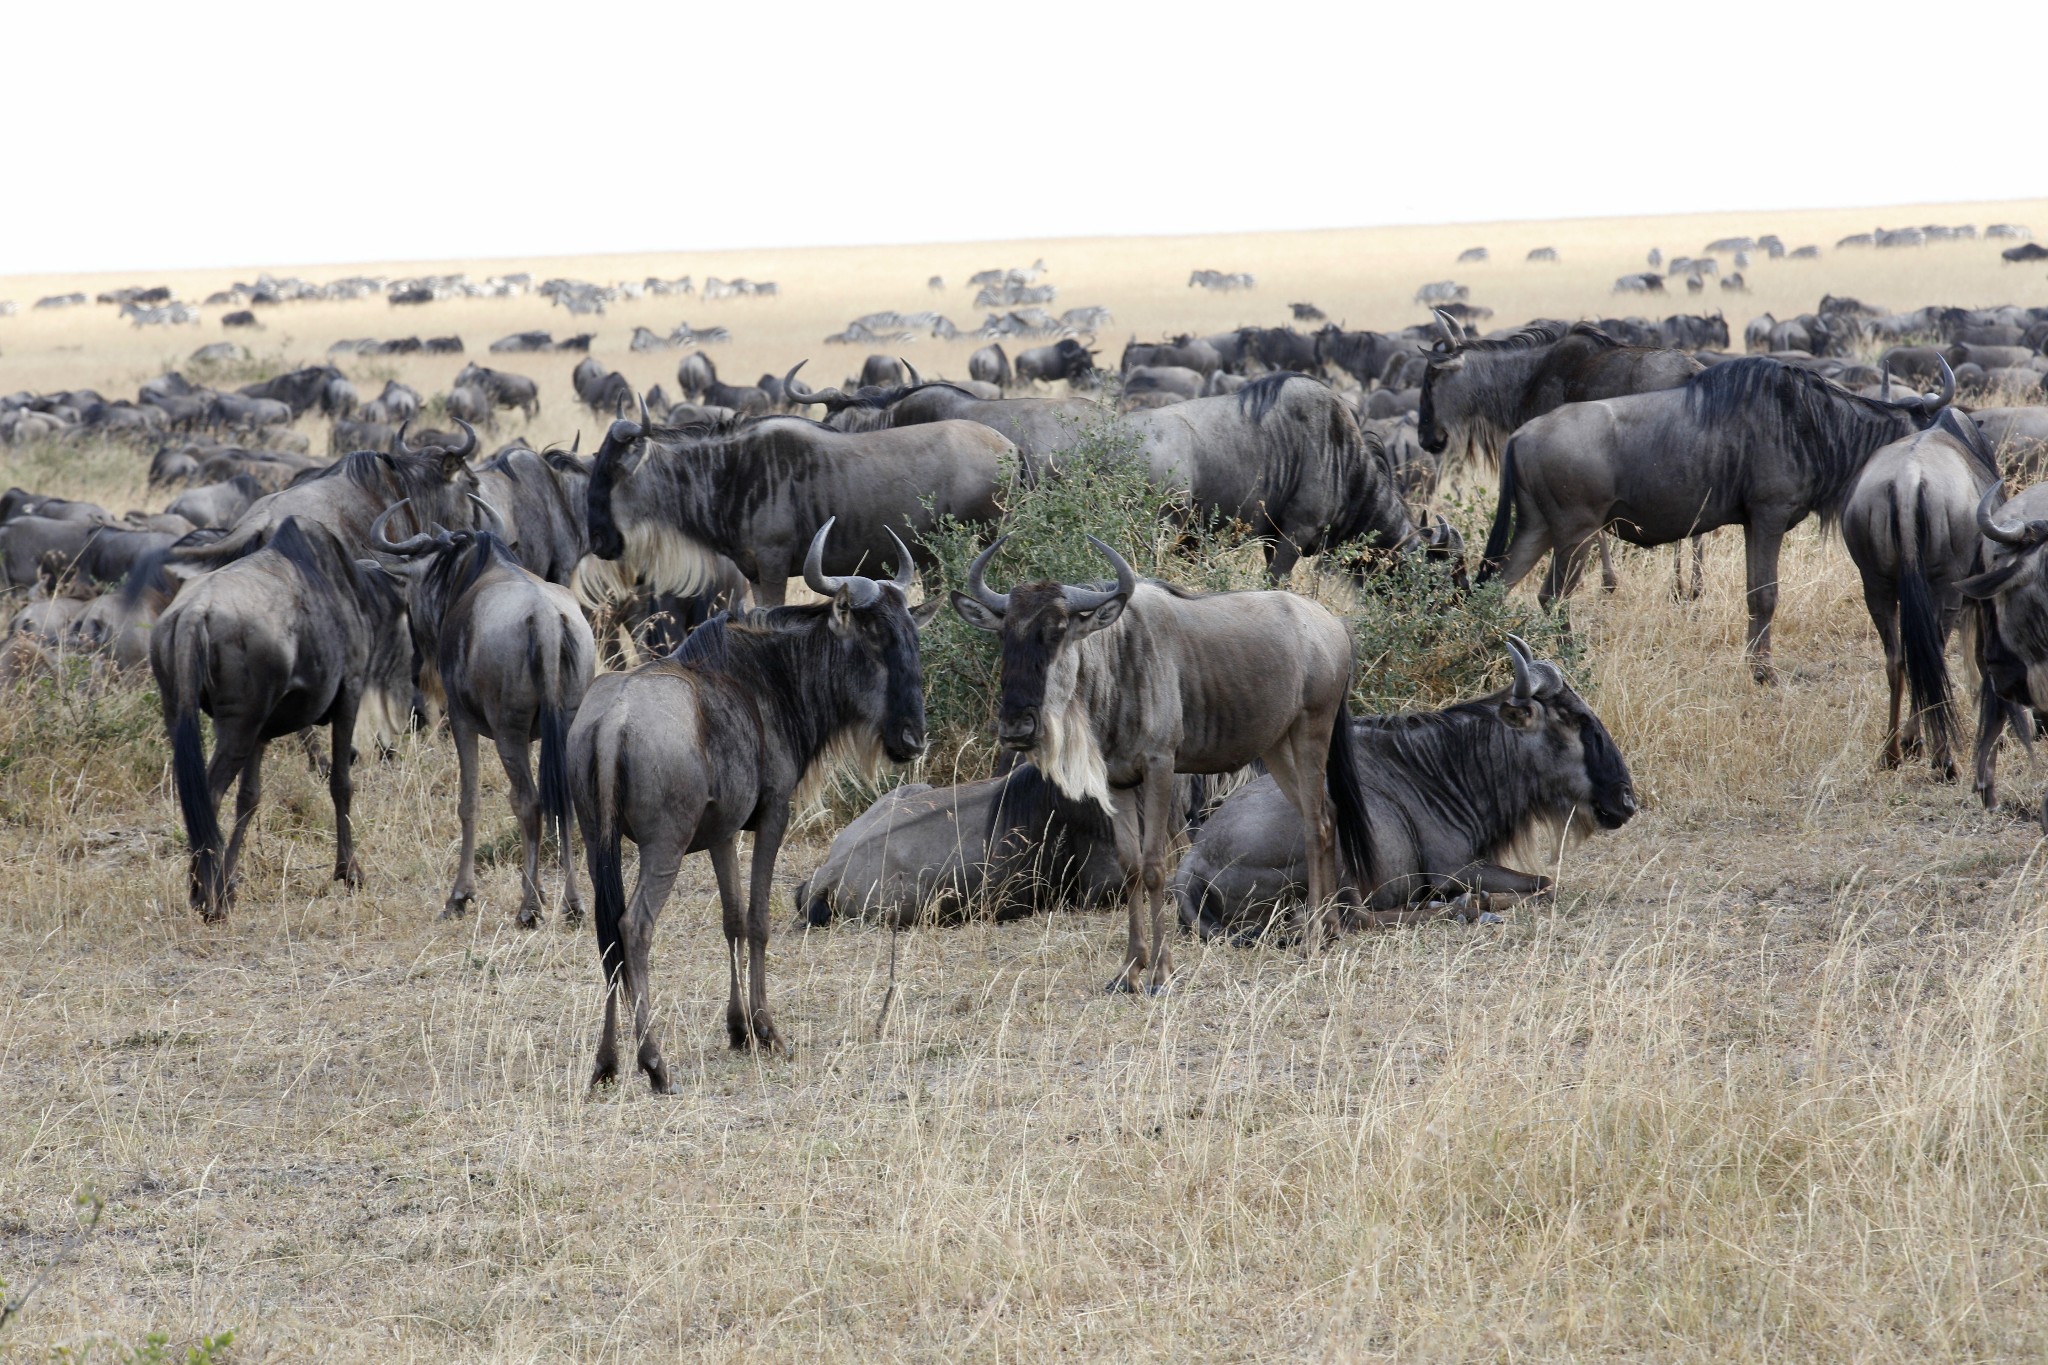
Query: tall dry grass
[(1765, 1083)]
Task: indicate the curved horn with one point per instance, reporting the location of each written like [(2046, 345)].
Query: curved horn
[(1884, 394), (1525, 681), (1449, 327), (814, 564), (398, 445), (905, 575), (493, 523), (468, 446), (997, 602), (577, 444), (646, 423), (915, 377), (1126, 583), (410, 546), (1991, 529), (1948, 387)]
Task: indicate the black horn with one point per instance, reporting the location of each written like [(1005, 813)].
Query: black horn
[(468, 446), (1525, 680), (398, 445), (412, 545), (911, 370)]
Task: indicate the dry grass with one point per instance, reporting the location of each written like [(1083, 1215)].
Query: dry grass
[(1767, 1083)]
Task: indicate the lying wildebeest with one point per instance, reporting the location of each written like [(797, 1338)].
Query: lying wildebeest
[(758, 491), (726, 735), (295, 635), (1752, 443), (512, 656), (1065, 359), (990, 365), (1475, 394), (1909, 523), (604, 392), (1174, 379), (504, 390), (217, 504), (1453, 796), (1123, 687), (2018, 436)]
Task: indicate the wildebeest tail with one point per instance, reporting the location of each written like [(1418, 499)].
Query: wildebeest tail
[(1503, 518), (182, 684), (551, 669), (1920, 639), (601, 846), (1346, 786)]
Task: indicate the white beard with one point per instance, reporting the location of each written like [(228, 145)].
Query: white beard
[(1066, 751)]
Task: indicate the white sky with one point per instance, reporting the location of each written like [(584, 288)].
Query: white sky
[(226, 134)]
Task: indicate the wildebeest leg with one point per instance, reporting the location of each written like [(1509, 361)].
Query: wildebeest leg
[(661, 858), (1298, 765), (315, 760), (464, 891), (1699, 566), (1155, 815), (760, 894), (1567, 567), (771, 591), (1884, 610), (1992, 715), (725, 864), (512, 753), (1608, 582), (247, 794), (1761, 543), (1281, 556), (339, 790), (1531, 542)]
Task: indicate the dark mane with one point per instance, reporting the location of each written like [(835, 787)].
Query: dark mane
[(873, 398), (1816, 421), (363, 468), (1535, 335), (313, 551), (1971, 437), (1436, 755)]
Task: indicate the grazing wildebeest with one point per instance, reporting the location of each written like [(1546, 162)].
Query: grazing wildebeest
[(1065, 359), (1040, 428), (1362, 355), (758, 491), (1277, 348), (297, 634), (1122, 687), (505, 390), (1454, 796), (1910, 524), (1283, 455), (726, 735), (299, 390), (1753, 443), (604, 392), (1475, 394), (511, 655), (694, 374), (346, 496), (990, 365), (469, 403)]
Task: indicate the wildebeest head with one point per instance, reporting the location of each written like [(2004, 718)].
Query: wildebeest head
[(1442, 392), (2017, 546), (1578, 757), (1037, 623), (607, 473), (877, 622)]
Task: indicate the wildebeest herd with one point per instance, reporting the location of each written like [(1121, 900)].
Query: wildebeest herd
[(410, 580)]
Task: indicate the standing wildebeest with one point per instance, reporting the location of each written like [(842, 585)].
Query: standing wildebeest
[(2012, 630), (1475, 394), (1752, 443), (694, 374), (1910, 523), (1452, 794), (604, 392), (990, 365), (469, 403), (540, 499), (302, 390), (1283, 455), (504, 390), (1040, 428), (881, 371), (1124, 687), (726, 735), (1065, 359), (297, 634), (1184, 351), (512, 656), (758, 491)]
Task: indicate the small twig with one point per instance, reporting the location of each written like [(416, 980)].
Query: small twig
[(87, 1197), (889, 996)]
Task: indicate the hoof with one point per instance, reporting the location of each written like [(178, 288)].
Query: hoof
[(456, 908), (1157, 987), (1120, 985), (528, 919), (351, 875), (1489, 917), (572, 914)]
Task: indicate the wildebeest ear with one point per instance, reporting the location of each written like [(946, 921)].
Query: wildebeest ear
[(1986, 585), (841, 619), (921, 615), (975, 614), (452, 464), (1517, 715), (1102, 617)]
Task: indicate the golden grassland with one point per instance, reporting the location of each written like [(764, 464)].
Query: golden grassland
[(1768, 1082)]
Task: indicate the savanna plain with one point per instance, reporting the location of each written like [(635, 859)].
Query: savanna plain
[(1768, 1080)]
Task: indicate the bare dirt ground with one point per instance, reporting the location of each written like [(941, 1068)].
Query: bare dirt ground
[(1765, 1083)]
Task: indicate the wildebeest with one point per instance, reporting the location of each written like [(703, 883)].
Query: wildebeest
[(217, 504), (1454, 796), (505, 390), (1122, 687), (1186, 352), (604, 392), (695, 373), (881, 371), (758, 491), (2011, 596), (540, 502), (1752, 443), (990, 365), (469, 403), (1910, 524), (1362, 355), (511, 656), (1065, 359), (723, 736), (297, 634), (1040, 428), (1171, 379), (302, 390)]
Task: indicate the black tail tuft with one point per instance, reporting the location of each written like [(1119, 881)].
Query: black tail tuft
[(1920, 637), (1354, 821), (554, 771), (1503, 518), (601, 846), (181, 694)]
